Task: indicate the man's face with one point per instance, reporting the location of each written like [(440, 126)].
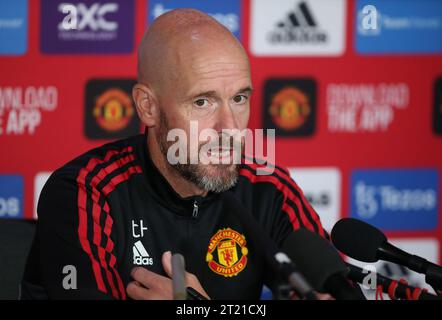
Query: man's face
[(212, 89)]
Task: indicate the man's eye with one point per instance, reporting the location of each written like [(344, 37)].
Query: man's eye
[(201, 103), (240, 99)]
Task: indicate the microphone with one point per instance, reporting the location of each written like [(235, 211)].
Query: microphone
[(393, 288), (364, 242), (278, 261), (321, 264), (178, 277)]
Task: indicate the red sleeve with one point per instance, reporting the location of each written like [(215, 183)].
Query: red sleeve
[(76, 229), (293, 211)]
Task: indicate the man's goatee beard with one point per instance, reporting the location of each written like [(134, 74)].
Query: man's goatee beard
[(198, 174), (227, 178)]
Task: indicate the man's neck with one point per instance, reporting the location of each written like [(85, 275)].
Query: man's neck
[(181, 185)]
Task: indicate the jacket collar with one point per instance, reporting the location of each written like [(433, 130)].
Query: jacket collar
[(164, 192)]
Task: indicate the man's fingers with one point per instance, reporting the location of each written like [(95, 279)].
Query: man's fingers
[(137, 292), (189, 278), (324, 296), (192, 281), (154, 283), (167, 263), (146, 278)]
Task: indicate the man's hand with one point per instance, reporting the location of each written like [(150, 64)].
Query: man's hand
[(319, 296), (148, 285)]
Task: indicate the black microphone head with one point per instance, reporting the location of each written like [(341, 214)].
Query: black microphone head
[(357, 239), (314, 256)]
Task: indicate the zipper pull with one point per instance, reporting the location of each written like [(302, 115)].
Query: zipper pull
[(195, 210)]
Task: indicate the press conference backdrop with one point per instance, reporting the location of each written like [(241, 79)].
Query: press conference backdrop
[(352, 88)]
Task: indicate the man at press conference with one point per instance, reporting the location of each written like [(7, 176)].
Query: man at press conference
[(115, 214)]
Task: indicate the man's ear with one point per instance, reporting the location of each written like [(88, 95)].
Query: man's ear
[(146, 104)]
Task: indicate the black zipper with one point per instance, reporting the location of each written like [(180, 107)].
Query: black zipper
[(195, 210)]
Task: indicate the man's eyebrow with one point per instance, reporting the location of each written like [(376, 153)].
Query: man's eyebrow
[(212, 93), (247, 89)]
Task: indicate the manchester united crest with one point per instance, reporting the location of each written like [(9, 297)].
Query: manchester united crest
[(227, 253)]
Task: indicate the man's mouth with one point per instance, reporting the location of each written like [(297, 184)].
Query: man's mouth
[(220, 152)]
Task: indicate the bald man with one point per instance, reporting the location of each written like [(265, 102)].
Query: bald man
[(110, 219)]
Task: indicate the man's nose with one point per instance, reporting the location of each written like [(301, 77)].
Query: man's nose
[(226, 118)]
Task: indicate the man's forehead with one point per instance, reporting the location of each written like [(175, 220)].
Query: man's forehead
[(218, 69), (214, 57), (205, 51), (208, 68), (172, 32)]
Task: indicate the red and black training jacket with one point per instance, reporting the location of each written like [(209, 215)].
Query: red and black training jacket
[(110, 210)]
